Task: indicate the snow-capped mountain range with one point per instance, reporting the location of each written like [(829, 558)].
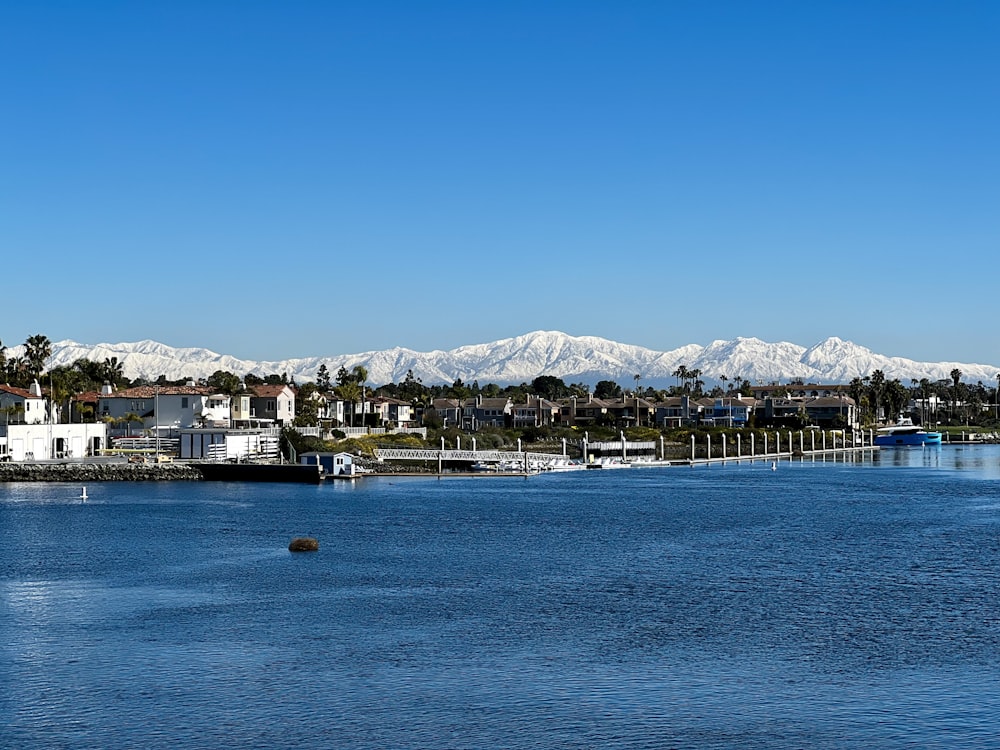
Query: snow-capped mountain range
[(520, 359)]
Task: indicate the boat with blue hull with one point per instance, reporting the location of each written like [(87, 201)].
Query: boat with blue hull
[(905, 433)]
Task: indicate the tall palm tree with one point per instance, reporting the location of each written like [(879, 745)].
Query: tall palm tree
[(997, 399), (37, 349), (876, 384), (112, 370), (681, 373), (351, 393), (360, 376), (956, 376)]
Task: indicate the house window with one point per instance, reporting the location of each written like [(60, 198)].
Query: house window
[(184, 402), (270, 406)]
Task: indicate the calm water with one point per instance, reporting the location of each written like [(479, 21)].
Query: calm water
[(822, 605)]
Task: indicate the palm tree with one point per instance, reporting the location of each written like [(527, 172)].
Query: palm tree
[(112, 370), (956, 375), (351, 393), (37, 349), (876, 384), (693, 376), (997, 399), (681, 373), (360, 376)]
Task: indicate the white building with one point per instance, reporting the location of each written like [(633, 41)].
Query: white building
[(42, 442), (166, 408), (24, 406)]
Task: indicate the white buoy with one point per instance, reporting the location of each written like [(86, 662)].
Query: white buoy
[(83, 496), (774, 466)]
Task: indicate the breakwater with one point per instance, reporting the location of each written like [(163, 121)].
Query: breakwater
[(84, 472)]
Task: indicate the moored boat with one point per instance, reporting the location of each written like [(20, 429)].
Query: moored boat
[(904, 432)]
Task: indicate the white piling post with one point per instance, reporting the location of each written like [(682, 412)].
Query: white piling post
[(723, 446), (753, 448), (709, 443), (765, 443), (777, 443), (739, 445), (692, 448)]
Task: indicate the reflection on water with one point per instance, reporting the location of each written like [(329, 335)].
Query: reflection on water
[(841, 603)]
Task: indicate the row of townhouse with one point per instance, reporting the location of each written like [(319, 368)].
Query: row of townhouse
[(735, 411)]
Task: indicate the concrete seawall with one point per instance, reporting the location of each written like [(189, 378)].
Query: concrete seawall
[(84, 472)]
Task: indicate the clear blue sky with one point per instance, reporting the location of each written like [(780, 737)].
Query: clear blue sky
[(279, 179)]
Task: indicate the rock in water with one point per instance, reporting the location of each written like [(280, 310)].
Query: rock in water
[(303, 544)]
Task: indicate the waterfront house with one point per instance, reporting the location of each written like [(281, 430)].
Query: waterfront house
[(631, 411), (486, 412), (677, 411), (272, 403), (24, 406), (392, 411), (728, 411), (578, 412), (448, 410), (534, 412), (827, 411), (165, 408)]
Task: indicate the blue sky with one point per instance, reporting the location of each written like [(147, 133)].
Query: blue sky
[(280, 179)]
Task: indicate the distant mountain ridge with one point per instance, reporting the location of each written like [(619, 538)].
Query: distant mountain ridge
[(522, 358)]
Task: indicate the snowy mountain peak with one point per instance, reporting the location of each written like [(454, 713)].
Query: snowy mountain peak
[(522, 358)]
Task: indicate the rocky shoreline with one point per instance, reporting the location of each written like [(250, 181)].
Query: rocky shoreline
[(84, 472)]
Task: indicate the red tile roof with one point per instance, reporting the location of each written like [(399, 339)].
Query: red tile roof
[(13, 390)]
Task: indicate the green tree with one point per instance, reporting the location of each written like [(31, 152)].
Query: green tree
[(956, 376), (876, 389), (111, 370), (323, 379), (350, 392), (37, 349), (550, 387), (607, 389), (306, 407), (896, 397), (224, 381)]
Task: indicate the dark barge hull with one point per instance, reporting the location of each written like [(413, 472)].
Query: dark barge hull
[(226, 472)]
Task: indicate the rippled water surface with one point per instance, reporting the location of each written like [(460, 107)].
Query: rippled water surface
[(822, 605)]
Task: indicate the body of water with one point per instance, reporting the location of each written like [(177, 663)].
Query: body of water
[(821, 605)]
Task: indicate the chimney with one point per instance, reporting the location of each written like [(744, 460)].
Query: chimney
[(35, 390), (107, 389)]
